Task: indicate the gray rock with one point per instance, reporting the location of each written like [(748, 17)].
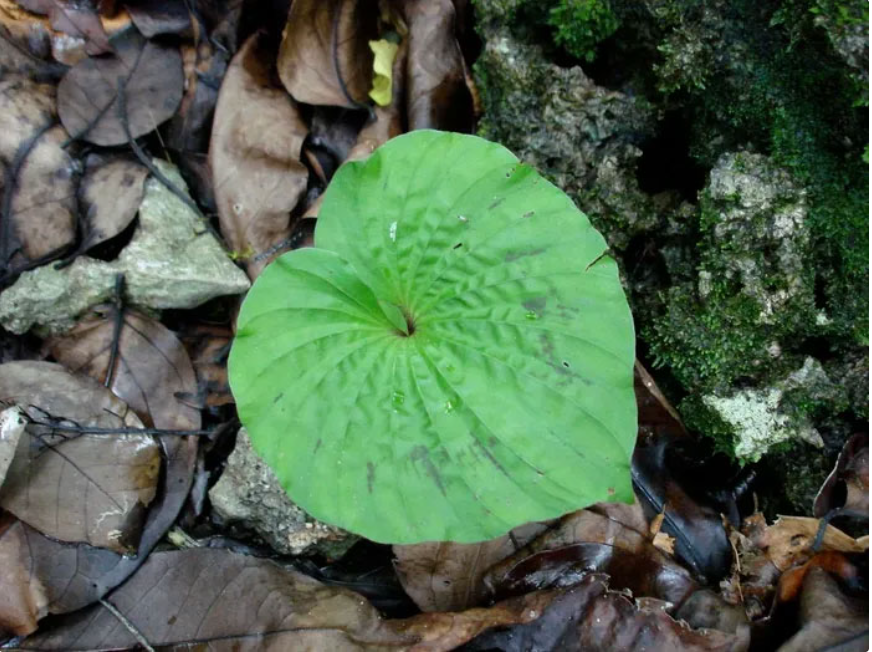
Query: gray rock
[(249, 494), (581, 136), (54, 298), (172, 261)]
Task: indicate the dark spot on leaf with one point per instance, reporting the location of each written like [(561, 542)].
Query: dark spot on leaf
[(370, 476), (529, 214), (458, 245), (566, 364), (611, 491), (317, 445), (493, 460), (514, 255), (496, 203), (421, 454), (278, 398), (127, 180), (536, 304)]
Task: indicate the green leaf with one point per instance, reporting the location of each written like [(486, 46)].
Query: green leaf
[(509, 395)]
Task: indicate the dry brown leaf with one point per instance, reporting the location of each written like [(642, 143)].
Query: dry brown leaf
[(110, 194), (830, 619), (208, 347), (227, 601), (788, 541), (78, 19), (437, 95), (325, 57), (188, 131), (154, 17), (151, 76), (152, 369), (255, 158), (87, 488), (23, 599), (445, 576), (40, 175)]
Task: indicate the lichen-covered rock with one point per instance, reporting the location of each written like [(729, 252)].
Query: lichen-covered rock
[(753, 286), (755, 420), (249, 494), (583, 137), (54, 298), (172, 261)]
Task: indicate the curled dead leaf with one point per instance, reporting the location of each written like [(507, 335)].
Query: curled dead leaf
[(255, 158), (150, 74), (847, 486)]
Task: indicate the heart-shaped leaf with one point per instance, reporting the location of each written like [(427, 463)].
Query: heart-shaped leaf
[(507, 398)]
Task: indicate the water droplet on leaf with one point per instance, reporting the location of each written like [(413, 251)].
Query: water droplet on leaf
[(392, 231), (532, 315), (398, 398)]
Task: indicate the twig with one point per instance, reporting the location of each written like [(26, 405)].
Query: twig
[(144, 158), (89, 430), (118, 323), (334, 46), (127, 624)]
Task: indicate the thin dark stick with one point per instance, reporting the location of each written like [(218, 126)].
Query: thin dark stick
[(118, 323), (87, 430), (334, 47), (144, 158)]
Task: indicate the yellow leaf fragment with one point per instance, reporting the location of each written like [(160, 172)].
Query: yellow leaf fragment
[(384, 52)]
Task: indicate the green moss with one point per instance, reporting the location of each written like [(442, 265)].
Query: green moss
[(581, 24)]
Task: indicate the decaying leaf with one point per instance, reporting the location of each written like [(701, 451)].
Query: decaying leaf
[(23, 599), (325, 56), (25, 45), (437, 97), (151, 368), (831, 620), (189, 130), (87, 488), (700, 538), (208, 347), (449, 576), (255, 158), (110, 194), (40, 177), (154, 17), (589, 617), (12, 423), (150, 74), (226, 601), (788, 541), (847, 486), (78, 19)]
